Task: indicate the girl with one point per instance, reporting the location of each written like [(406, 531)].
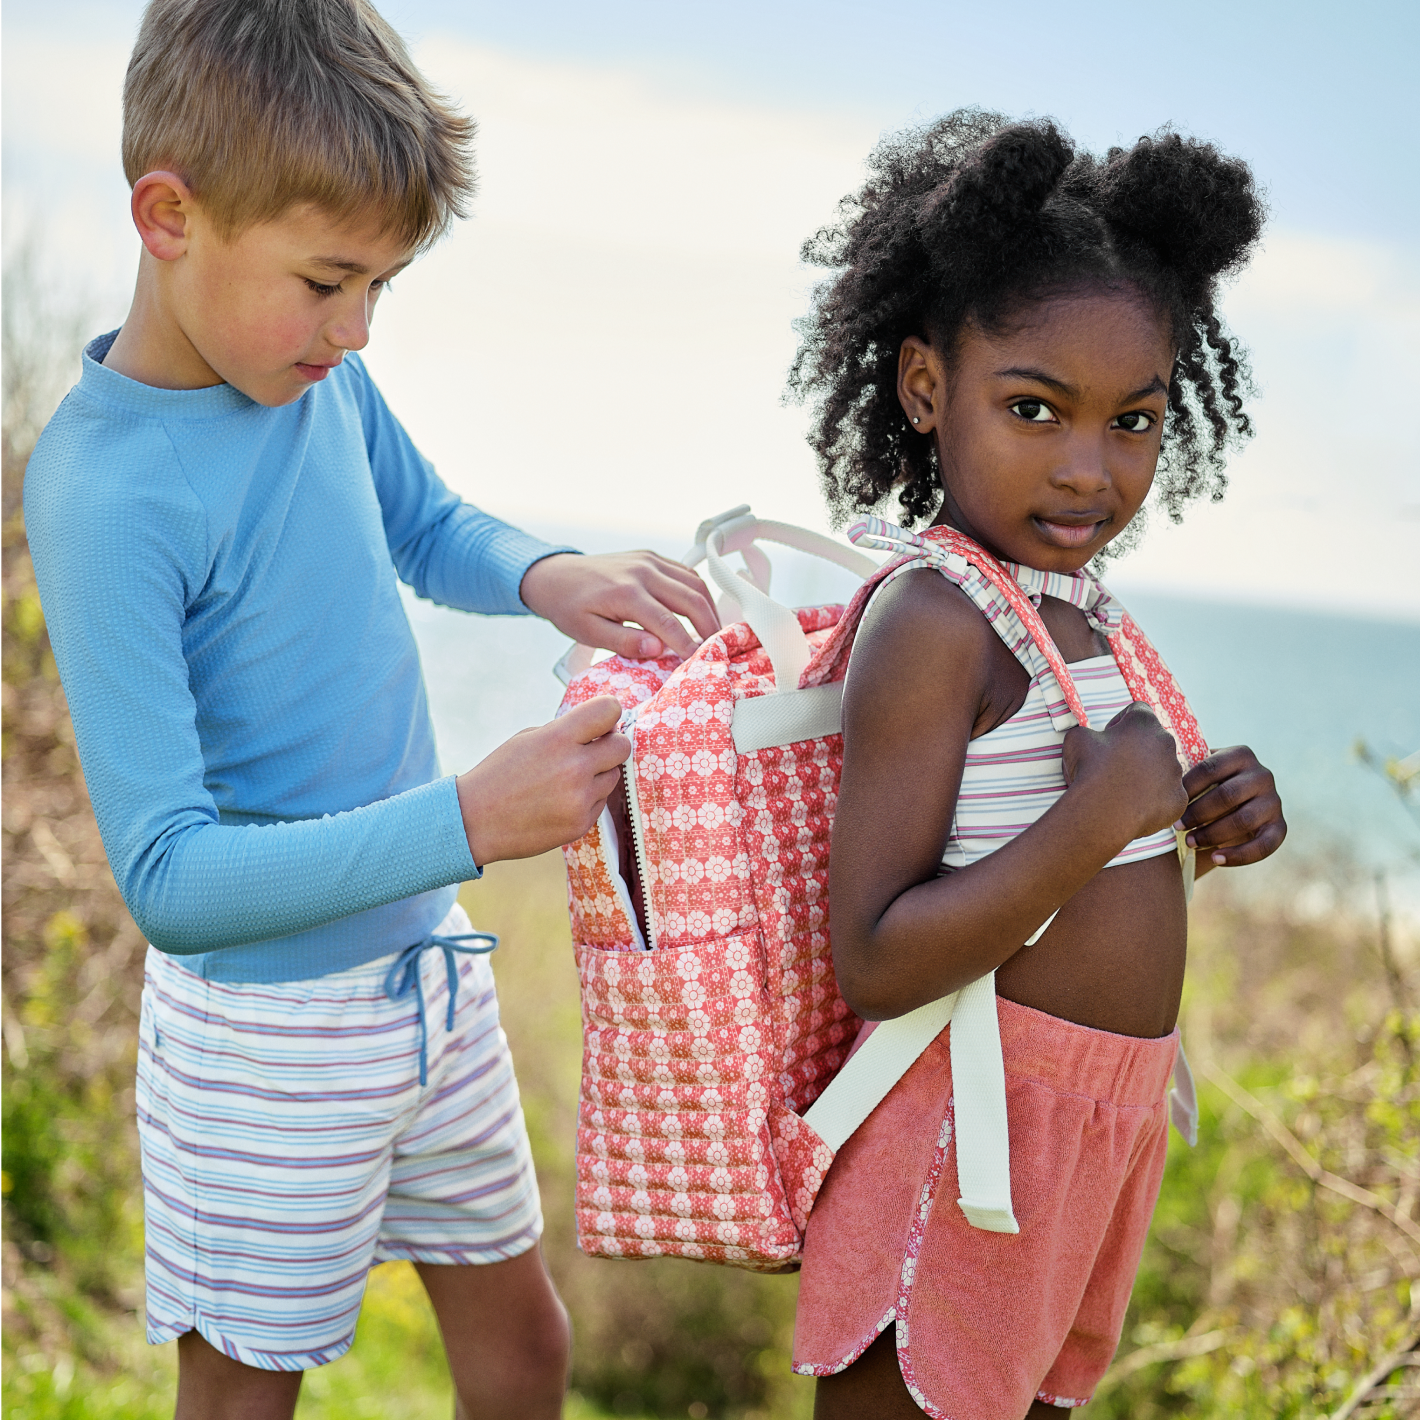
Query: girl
[(1016, 334)]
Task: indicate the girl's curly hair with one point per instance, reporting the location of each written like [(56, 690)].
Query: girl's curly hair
[(974, 217)]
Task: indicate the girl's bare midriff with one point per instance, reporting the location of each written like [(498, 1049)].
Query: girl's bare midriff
[(1113, 958)]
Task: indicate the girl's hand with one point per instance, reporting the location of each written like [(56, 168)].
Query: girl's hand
[(1133, 765), (1235, 816), (592, 598)]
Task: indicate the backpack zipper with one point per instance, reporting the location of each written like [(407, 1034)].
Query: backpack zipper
[(633, 815)]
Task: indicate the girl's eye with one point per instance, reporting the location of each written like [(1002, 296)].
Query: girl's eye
[(1138, 421), (1036, 411), (321, 289)]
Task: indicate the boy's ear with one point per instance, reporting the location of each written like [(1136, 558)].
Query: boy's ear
[(162, 207)]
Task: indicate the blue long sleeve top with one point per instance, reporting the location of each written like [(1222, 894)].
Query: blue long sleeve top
[(219, 583)]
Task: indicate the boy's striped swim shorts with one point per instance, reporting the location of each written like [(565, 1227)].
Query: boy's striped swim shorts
[(288, 1146)]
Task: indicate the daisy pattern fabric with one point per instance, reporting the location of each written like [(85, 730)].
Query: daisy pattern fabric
[(706, 1037), (700, 1053)]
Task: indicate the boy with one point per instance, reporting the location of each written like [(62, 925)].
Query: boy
[(214, 513)]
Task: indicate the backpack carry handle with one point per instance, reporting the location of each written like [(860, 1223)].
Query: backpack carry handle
[(775, 624), (739, 530), (745, 595)]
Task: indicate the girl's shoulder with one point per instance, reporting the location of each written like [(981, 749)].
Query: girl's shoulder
[(925, 648), (918, 615)]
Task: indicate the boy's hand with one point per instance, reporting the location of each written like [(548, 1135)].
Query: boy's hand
[(1133, 763), (591, 598), (544, 787), (1235, 816)]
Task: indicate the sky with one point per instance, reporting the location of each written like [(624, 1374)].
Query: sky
[(604, 344)]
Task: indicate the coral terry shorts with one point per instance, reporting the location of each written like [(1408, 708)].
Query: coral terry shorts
[(989, 1322)]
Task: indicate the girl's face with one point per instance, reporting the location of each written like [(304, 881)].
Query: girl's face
[(1048, 432)]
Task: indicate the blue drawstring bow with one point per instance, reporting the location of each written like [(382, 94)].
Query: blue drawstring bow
[(403, 977)]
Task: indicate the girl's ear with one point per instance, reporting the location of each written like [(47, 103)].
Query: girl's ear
[(919, 384), (162, 208)]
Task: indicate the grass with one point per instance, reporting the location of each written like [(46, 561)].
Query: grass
[(1304, 1289)]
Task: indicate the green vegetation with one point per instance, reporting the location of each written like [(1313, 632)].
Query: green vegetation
[(1280, 1277)]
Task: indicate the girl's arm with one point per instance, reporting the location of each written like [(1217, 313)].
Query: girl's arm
[(927, 673)]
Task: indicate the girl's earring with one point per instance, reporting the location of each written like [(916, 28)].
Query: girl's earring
[(915, 419)]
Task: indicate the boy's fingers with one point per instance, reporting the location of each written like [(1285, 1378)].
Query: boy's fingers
[(592, 719), (629, 641), (699, 607), (664, 598), (604, 792), (603, 786), (608, 754), (660, 623)]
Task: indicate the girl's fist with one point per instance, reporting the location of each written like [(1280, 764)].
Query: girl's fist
[(1132, 764), (1235, 814)]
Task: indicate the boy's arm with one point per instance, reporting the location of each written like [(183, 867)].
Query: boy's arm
[(459, 556), (115, 574)]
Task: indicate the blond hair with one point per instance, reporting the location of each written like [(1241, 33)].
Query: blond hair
[(264, 105)]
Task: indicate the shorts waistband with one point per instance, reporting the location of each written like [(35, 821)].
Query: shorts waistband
[(1122, 1070)]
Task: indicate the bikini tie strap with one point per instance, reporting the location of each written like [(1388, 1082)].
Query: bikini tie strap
[(1020, 588), (1077, 588), (403, 978)]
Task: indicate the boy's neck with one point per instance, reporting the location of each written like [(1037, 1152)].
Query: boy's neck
[(151, 346)]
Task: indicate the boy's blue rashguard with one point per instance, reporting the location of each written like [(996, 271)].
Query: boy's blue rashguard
[(219, 582)]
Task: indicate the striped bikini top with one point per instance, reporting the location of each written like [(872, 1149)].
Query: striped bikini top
[(1015, 772)]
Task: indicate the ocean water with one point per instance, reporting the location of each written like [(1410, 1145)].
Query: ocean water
[(1299, 687)]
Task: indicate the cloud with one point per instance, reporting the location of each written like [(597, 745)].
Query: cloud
[(1324, 505), (606, 341)]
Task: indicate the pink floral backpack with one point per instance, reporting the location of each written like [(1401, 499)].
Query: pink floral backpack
[(714, 1086)]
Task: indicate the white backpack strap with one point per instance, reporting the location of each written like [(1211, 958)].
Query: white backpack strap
[(979, 1108), (983, 1147), (879, 1063), (764, 721)]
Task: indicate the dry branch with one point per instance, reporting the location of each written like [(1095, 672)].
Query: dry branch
[(1374, 1377), (1180, 1349), (1323, 1178)]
